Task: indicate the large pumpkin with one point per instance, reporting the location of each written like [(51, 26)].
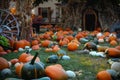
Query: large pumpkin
[(3, 63), (32, 69), (19, 44), (112, 52), (56, 72), (103, 75)]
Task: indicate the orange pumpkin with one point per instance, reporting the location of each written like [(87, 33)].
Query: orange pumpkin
[(29, 58), (48, 50), (35, 47), (112, 37), (56, 72), (112, 52), (70, 37), (62, 42), (106, 34), (23, 56), (118, 47), (103, 75), (14, 61), (3, 63), (45, 43), (19, 44), (55, 48), (46, 36), (18, 69), (113, 43), (1, 49), (34, 42), (79, 35), (72, 46)]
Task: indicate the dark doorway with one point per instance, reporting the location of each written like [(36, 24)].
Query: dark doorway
[(89, 19), (90, 22)]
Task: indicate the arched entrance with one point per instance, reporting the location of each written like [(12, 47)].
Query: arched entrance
[(89, 19)]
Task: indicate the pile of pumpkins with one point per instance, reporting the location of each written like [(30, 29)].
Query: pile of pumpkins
[(30, 67), (52, 41)]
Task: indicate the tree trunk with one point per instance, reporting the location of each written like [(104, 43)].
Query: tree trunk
[(24, 8)]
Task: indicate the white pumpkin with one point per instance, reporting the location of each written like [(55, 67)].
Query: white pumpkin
[(70, 74), (101, 40), (27, 47), (99, 35), (65, 57), (20, 49), (116, 66), (17, 64)]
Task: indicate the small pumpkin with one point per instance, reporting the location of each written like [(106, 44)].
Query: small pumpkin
[(103, 75), (72, 46), (45, 43), (6, 72), (32, 69), (62, 42), (52, 59), (29, 58), (48, 49), (3, 63), (14, 61), (55, 48), (112, 36), (113, 43), (23, 56), (35, 47), (34, 42), (56, 72), (1, 49), (71, 74), (61, 52)]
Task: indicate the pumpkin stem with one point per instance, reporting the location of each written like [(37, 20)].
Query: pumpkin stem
[(33, 60)]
